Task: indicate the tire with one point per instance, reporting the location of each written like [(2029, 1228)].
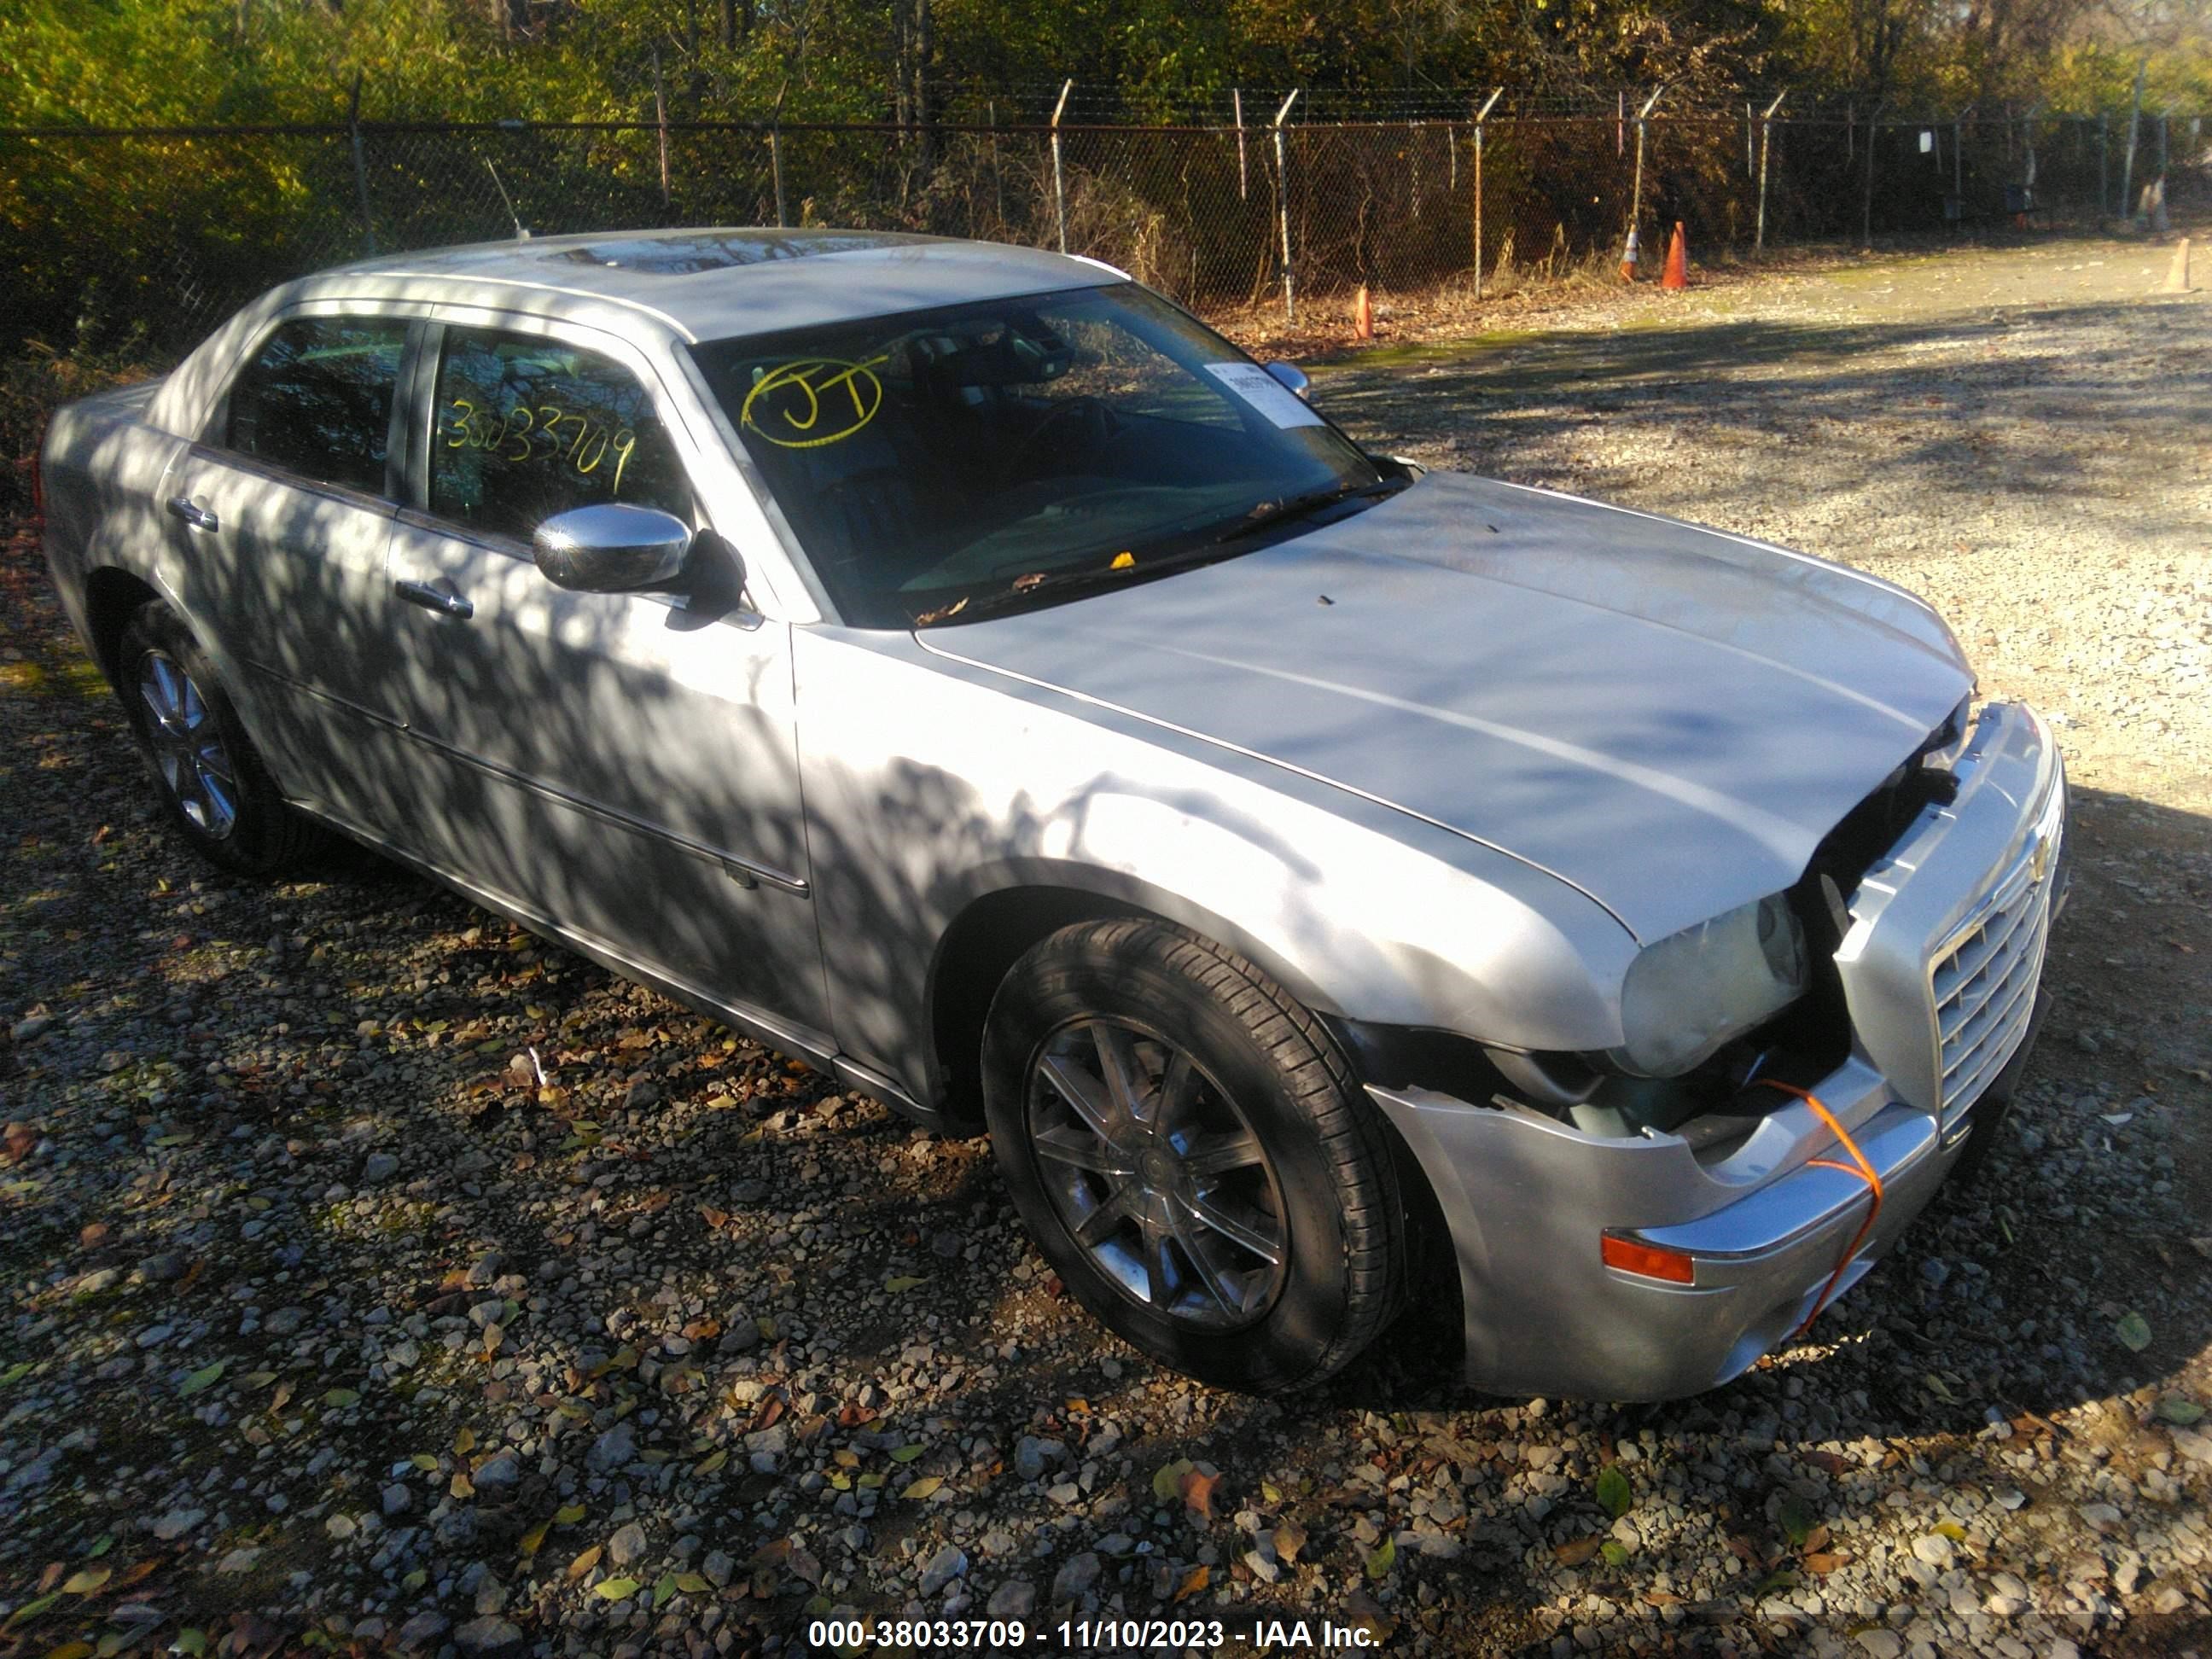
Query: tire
[(1238, 1127), (213, 786)]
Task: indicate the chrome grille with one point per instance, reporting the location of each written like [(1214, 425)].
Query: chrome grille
[(1982, 982)]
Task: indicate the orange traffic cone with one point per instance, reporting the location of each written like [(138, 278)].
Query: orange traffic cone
[(1677, 274), (1628, 258), (1362, 315)]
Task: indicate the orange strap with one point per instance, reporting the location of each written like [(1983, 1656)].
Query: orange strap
[(1863, 1170)]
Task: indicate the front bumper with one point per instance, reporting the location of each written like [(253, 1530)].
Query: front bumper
[(1952, 932)]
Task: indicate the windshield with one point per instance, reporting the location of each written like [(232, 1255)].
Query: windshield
[(940, 463)]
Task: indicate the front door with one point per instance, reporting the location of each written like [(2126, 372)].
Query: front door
[(623, 766)]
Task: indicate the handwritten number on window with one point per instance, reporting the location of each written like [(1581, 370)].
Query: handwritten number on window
[(571, 438)]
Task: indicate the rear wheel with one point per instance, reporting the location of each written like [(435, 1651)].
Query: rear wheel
[(1193, 1155), (210, 779)]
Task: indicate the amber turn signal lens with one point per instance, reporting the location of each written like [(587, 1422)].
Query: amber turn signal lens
[(1648, 1261)]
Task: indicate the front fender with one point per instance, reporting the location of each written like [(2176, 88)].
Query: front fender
[(932, 787)]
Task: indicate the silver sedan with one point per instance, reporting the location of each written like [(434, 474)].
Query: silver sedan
[(1334, 888)]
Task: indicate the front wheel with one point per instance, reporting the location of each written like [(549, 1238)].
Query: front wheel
[(1192, 1154)]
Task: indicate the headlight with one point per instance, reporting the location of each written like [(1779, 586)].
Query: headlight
[(1687, 995)]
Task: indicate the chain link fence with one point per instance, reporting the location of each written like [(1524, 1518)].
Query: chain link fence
[(171, 229)]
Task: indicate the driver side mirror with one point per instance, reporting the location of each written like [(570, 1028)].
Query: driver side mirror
[(611, 548), (1290, 376)]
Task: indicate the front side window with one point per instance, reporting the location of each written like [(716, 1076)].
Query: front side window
[(939, 464), (316, 401), (526, 427)]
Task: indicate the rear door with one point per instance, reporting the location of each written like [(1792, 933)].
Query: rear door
[(622, 765), (283, 509)]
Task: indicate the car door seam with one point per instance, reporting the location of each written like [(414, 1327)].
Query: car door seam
[(748, 871)]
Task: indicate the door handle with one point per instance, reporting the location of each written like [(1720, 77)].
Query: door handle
[(444, 601), (199, 517)]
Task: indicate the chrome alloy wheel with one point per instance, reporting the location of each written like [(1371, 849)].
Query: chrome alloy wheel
[(188, 746), (1157, 1174)]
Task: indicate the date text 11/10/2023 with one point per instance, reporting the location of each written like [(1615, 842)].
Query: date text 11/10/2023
[(1071, 1636)]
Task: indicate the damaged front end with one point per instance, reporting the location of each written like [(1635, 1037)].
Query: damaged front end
[(1640, 1237)]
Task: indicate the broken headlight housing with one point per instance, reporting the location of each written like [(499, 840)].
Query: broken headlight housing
[(1687, 995)]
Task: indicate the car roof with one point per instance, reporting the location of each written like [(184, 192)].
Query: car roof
[(711, 283)]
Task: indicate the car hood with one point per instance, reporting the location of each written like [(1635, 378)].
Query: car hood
[(1667, 718)]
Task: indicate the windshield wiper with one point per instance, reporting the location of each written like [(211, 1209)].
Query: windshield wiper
[(1270, 514)]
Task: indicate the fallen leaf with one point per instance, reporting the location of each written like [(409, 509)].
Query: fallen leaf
[(1825, 1561), (584, 1563), (1290, 1539), (339, 1398), (904, 1282), (79, 1649), (31, 1609), (190, 1643), (1197, 1492), (713, 1462), (2134, 1331), (86, 1581), (1797, 1520), (425, 1461), (465, 1441), (568, 1514), (614, 1589), (925, 1487), (1192, 1582), (1937, 1386), (1950, 1529), (534, 1539), (1167, 1480), (1575, 1552), (206, 1378), (1615, 1553), (2179, 1411), (692, 1585), (460, 1485), (1615, 1495), (908, 1453), (1381, 1558)]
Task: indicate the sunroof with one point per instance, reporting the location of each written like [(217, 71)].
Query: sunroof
[(682, 256)]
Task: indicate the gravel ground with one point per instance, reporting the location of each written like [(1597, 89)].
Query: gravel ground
[(377, 1277)]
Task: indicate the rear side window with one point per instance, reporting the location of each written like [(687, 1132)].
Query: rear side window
[(317, 400), (527, 427)]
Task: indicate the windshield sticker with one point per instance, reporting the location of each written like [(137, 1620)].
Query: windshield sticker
[(1265, 393), (813, 402)]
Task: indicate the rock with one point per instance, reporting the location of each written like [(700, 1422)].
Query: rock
[(31, 1028), (397, 1499), (500, 1474), (616, 1448), (628, 1544), (1881, 1644), (2171, 1598), (160, 1269), (379, 1169), (1030, 1458), (1066, 1492), (1264, 1568), (177, 1523), (487, 1634), (423, 1627), (490, 1595), (487, 1313), (1015, 1599), (947, 1564), (284, 1321), (1075, 1578), (718, 1568), (1934, 1549), (100, 1278)]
